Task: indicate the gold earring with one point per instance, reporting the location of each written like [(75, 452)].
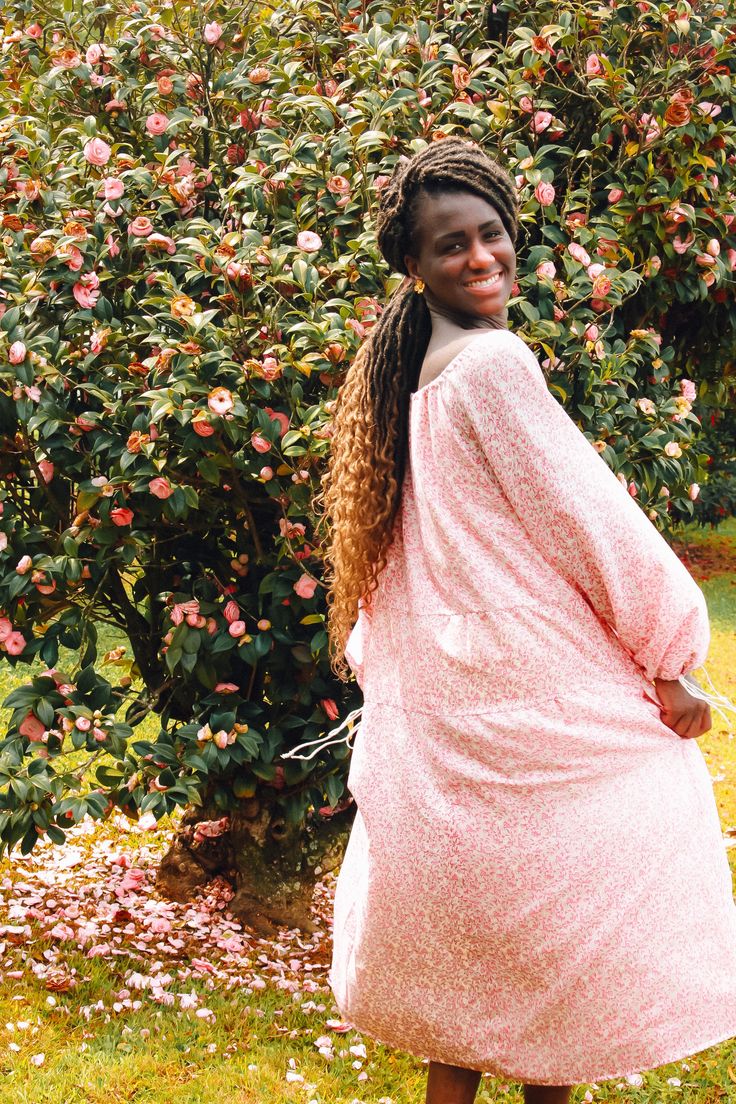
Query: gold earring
[(419, 286)]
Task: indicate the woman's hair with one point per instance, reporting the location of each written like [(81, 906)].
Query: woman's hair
[(361, 487)]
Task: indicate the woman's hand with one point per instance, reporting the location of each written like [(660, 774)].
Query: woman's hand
[(687, 716)]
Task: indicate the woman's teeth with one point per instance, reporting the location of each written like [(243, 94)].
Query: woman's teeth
[(489, 281)]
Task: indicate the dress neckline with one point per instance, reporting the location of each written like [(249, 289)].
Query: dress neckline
[(453, 363)]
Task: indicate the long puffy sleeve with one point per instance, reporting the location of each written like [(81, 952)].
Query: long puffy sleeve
[(357, 642), (577, 513)]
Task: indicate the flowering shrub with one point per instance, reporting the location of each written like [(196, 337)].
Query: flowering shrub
[(189, 266)]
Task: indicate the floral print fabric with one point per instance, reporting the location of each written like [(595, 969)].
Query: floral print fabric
[(536, 883)]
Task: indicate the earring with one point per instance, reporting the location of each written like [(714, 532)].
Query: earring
[(419, 286)]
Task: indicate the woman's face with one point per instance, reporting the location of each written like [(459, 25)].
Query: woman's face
[(466, 257)]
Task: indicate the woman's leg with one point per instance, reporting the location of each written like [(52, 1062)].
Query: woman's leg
[(546, 1094), (451, 1084)]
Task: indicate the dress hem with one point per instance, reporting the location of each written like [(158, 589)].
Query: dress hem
[(562, 1078)]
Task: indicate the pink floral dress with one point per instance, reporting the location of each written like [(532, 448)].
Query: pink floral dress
[(536, 883)]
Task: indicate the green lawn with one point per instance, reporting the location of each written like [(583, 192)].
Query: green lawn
[(178, 1005)]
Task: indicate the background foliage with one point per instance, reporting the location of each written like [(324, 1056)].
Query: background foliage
[(188, 266)]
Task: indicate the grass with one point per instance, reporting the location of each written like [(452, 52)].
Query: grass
[(259, 1012)]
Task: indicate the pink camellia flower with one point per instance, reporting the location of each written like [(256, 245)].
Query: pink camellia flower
[(98, 340), (688, 390), (157, 122), (330, 707), (578, 253), (526, 105), (34, 31), (212, 33), (632, 489), (46, 469), (220, 401), (693, 491), (673, 449), (15, 643), (308, 241), (5, 629), (31, 727), (201, 424), (338, 185), (24, 565), (280, 417), (544, 193), (291, 529), (231, 612), (259, 443), (615, 195), (305, 586), (161, 241), (705, 260), (73, 256), (94, 53), (681, 246), (17, 352), (731, 254), (226, 688), (121, 515), (160, 487), (541, 121), (85, 291), (97, 152), (236, 628), (84, 724), (592, 332), (595, 270), (140, 227), (266, 472), (593, 66), (112, 187), (653, 129), (708, 108), (220, 739), (713, 247)]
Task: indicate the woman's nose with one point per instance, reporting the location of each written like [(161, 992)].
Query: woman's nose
[(481, 255)]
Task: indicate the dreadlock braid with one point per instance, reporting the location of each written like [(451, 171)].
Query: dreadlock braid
[(361, 487)]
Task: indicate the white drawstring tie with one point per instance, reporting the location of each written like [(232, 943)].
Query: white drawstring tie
[(326, 741)]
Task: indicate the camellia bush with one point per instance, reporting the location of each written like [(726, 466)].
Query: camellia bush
[(188, 261)]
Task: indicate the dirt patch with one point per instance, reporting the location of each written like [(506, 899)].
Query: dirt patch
[(713, 555)]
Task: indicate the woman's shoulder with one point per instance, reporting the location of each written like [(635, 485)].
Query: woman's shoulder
[(492, 350)]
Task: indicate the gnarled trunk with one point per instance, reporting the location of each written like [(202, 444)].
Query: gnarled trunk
[(273, 866)]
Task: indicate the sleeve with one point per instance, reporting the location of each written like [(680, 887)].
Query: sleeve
[(577, 513), (357, 643)]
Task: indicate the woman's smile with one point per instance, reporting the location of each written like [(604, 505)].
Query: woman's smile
[(485, 283)]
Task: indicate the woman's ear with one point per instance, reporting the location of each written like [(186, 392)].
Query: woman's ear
[(411, 266)]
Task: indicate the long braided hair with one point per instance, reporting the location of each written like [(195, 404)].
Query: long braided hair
[(361, 487)]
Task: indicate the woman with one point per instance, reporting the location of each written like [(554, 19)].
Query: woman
[(536, 883)]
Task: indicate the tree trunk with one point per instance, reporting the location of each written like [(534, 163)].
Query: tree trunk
[(272, 866)]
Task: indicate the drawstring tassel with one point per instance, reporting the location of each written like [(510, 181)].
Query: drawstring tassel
[(326, 741), (716, 700)]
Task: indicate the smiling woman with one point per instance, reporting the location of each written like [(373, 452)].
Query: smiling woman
[(531, 799), (466, 258)]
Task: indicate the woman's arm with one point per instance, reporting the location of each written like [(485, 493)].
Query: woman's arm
[(577, 513)]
